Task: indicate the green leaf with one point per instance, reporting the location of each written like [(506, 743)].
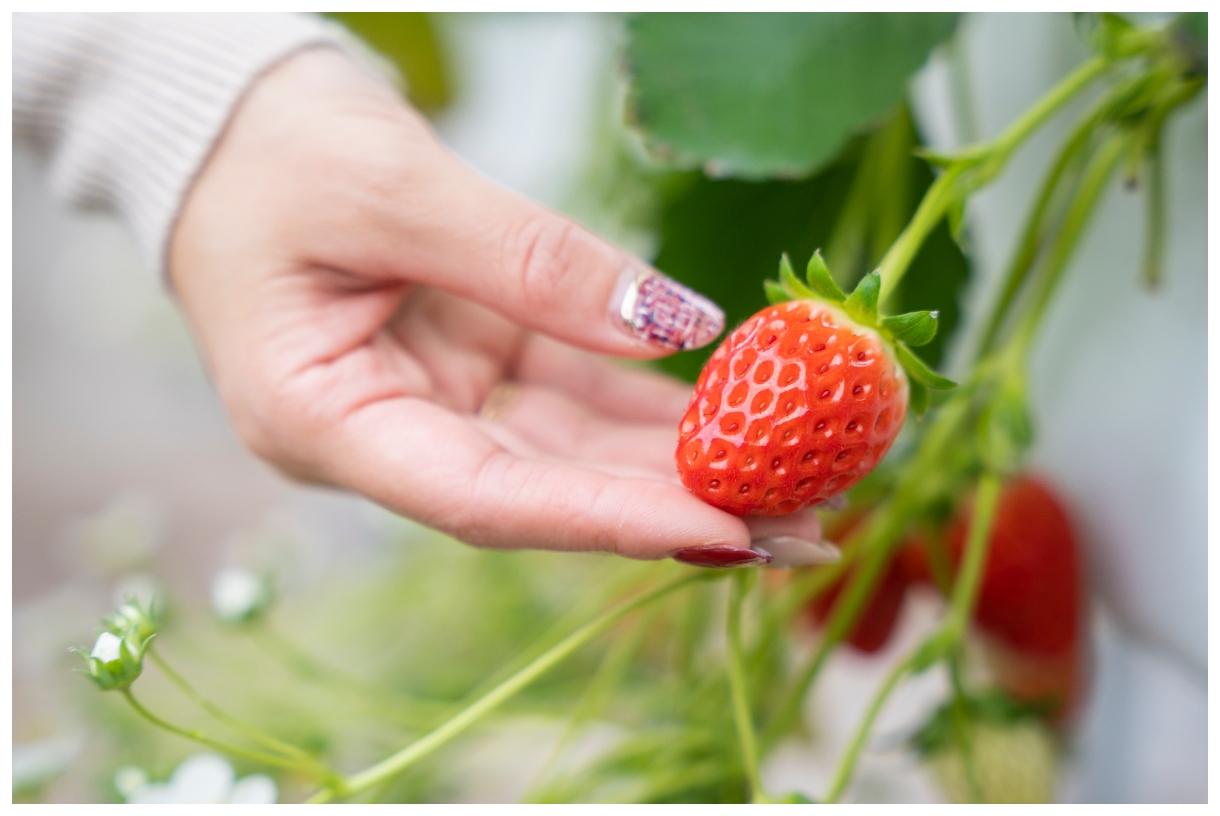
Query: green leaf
[(790, 282), (758, 95), (775, 292), (820, 280), (912, 328), (919, 372), (862, 302), (918, 399), (956, 215), (722, 237)]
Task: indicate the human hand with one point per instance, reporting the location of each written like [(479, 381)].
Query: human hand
[(379, 317)]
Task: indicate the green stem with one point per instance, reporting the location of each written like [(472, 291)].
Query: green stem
[(1035, 232), (977, 166), (1044, 108), (1093, 182), (1154, 242), (961, 726), (399, 762), (742, 715), (931, 209), (947, 637), (966, 588), (195, 736), (610, 672), (266, 740), (847, 763)]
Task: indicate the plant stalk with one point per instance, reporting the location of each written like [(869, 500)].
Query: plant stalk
[(203, 739), (399, 762), (742, 715), (266, 740), (977, 166)]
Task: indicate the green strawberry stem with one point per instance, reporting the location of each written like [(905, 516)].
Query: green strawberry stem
[(260, 757), (1096, 176), (249, 731), (742, 715), (975, 167), (920, 482), (960, 713), (385, 702), (847, 763), (1036, 229), (946, 640), (400, 761), (610, 673)]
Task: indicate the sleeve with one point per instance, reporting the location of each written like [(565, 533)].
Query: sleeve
[(128, 105)]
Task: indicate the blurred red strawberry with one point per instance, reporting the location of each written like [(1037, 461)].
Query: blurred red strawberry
[(1031, 599), (1030, 602), (876, 622)]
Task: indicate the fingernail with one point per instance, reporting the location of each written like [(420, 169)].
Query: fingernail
[(838, 502), (664, 313), (790, 551), (715, 555)]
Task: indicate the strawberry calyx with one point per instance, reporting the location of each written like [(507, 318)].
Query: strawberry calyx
[(901, 331)]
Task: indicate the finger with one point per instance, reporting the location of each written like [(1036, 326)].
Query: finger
[(432, 465), (428, 218), (609, 388), (559, 426)]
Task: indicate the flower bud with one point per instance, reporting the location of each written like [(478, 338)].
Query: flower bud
[(115, 662), (133, 617), (239, 595)]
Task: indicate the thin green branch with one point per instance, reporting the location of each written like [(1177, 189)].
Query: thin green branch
[(975, 167), (966, 588), (266, 740), (399, 762), (847, 764), (1093, 182), (196, 736), (945, 640), (743, 717)]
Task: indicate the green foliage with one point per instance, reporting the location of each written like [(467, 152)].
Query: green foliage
[(407, 39), (862, 302), (912, 328), (758, 95), (820, 280), (722, 237)]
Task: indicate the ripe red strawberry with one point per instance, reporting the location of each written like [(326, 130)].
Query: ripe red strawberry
[(803, 399), (1032, 593)]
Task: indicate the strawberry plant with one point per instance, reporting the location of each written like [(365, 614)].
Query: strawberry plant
[(818, 394)]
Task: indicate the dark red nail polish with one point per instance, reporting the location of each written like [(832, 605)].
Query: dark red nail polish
[(715, 555)]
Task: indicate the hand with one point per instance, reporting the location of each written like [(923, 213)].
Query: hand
[(379, 317)]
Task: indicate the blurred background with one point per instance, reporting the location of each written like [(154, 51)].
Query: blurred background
[(128, 479)]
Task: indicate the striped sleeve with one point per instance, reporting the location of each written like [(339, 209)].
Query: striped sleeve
[(128, 105)]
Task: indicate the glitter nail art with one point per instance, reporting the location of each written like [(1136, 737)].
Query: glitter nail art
[(665, 313)]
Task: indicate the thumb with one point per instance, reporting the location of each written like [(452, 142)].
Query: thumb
[(544, 272)]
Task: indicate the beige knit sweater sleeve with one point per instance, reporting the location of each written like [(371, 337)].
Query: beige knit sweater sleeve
[(128, 105)]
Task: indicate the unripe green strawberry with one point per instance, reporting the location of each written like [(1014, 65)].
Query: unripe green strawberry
[(1014, 763), (803, 399), (989, 748)]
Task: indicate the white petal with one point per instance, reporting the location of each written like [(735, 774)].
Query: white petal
[(128, 780), (255, 789), (235, 592), (202, 779), (107, 647)]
